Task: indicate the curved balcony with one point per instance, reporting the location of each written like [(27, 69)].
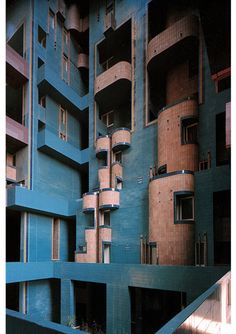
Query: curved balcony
[(89, 202), (116, 173), (83, 61), (114, 85), (109, 198), (102, 146), (173, 235), (164, 47), (173, 149), (120, 139), (104, 177), (74, 21)]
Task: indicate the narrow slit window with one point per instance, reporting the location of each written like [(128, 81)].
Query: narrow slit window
[(106, 253), (118, 157), (65, 37), (189, 131), (55, 239), (42, 37), (51, 20)]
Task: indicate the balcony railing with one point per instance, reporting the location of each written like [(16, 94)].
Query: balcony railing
[(102, 146), (90, 202), (109, 198), (121, 139)]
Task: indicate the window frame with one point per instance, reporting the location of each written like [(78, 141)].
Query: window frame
[(105, 119), (187, 123), (178, 197), (56, 221)]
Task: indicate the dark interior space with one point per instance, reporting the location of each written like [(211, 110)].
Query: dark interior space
[(116, 47), (90, 305), (17, 41), (84, 178), (84, 130), (71, 240), (55, 285), (14, 103), (217, 36), (222, 228), (12, 296), (162, 14), (13, 224), (222, 154), (151, 308)]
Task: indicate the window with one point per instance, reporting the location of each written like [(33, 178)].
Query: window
[(184, 207), (65, 37), (63, 116), (42, 101), (108, 119), (117, 157), (62, 123), (189, 130), (119, 184), (55, 239), (41, 37), (106, 253), (152, 253), (222, 80), (109, 63), (51, 20), (65, 68), (104, 217)]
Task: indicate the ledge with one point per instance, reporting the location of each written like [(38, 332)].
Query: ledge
[(23, 199), (16, 134), (171, 174), (51, 144), (16, 67), (50, 82)]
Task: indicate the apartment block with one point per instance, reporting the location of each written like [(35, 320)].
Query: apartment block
[(118, 166)]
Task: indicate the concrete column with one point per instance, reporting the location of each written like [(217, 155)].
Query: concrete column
[(67, 301), (118, 310)]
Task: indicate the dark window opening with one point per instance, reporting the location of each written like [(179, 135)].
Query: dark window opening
[(107, 217), (162, 169), (222, 228), (17, 41), (40, 62), (222, 154), (151, 308), (201, 250), (90, 315), (118, 157), (13, 235), (12, 296), (42, 101), (14, 103), (42, 37), (84, 179), (224, 84), (189, 131)]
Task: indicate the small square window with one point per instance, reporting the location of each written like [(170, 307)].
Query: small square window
[(184, 207), (62, 136), (42, 37), (189, 131)]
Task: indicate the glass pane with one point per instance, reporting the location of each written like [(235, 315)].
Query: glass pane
[(187, 208)]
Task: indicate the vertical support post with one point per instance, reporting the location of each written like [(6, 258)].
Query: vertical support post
[(67, 301), (118, 314)]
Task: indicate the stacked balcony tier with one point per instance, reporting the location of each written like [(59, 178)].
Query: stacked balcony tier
[(113, 87), (172, 150), (109, 198), (179, 38), (83, 61), (16, 68), (90, 202), (104, 177), (102, 146), (174, 239), (74, 20), (121, 139), (16, 135)]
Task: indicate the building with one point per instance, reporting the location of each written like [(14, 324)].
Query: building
[(117, 165)]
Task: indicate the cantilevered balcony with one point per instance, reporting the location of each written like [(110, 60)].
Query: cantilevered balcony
[(16, 135), (74, 21), (114, 85), (50, 143), (179, 39), (104, 177), (16, 68), (83, 61), (90, 202), (120, 139), (102, 146), (109, 198)]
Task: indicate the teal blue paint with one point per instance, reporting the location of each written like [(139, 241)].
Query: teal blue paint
[(67, 301)]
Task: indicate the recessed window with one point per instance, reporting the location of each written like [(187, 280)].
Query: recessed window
[(189, 130), (107, 217), (118, 157), (51, 20), (222, 80), (152, 253), (119, 184), (65, 37), (63, 116), (42, 37), (65, 68), (184, 207), (42, 101), (108, 119), (106, 253), (55, 239)]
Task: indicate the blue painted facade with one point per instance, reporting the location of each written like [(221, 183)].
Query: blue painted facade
[(57, 172)]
